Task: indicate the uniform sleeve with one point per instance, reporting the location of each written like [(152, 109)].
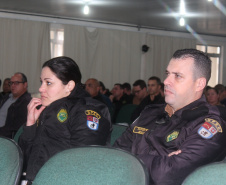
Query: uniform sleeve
[(26, 141), (90, 126), (196, 151)]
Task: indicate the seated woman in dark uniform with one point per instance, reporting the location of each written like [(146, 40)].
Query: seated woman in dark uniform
[(65, 116)]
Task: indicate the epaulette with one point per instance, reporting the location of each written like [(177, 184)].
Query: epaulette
[(222, 111), (194, 113)]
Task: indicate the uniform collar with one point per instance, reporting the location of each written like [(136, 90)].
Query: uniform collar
[(201, 101)]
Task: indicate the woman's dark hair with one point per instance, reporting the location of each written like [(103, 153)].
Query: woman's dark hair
[(65, 69), (216, 90)]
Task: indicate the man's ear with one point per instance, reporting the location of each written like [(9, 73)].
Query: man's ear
[(71, 85), (200, 84), (25, 85)]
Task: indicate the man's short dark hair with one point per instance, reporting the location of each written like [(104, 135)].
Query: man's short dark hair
[(120, 85), (202, 63), (141, 83), (24, 78), (126, 86), (157, 79)]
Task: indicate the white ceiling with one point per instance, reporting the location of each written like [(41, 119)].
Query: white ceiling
[(203, 17)]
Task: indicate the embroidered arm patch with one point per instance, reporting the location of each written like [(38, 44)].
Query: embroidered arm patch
[(92, 119), (209, 128)]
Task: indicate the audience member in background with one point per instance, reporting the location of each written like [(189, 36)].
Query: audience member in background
[(154, 97), (13, 107), (127, 90), (92, 86), (119, 99), (103, 90), (5, 88), (67, 116), (212, 96), (176, 138), (162, 90), (222, 93), (224, 100), (206, 89), (139, 91)]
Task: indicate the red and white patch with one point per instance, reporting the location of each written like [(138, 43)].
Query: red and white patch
[(92, 122), (207, 130)]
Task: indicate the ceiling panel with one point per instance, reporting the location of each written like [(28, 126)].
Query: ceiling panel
[(203, 17)]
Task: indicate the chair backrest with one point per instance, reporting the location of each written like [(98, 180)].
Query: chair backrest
[(124, 114), (92, 165), (11, 162), (214, 173), (117, 132), (18, 133)]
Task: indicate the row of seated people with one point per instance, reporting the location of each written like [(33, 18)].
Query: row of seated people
[(121, 94), (171, 139), (142, 95)]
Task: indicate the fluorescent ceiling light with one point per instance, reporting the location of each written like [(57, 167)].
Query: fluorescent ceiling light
[(182, 21), (86, 10)]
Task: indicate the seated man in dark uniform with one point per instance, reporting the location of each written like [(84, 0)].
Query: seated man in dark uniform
[(175, 138), (154, 97), (119, 99)]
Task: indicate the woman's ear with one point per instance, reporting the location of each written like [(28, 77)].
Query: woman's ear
[(71, 85)]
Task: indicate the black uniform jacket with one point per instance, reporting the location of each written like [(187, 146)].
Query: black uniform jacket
[(198, 130), (76, 120)]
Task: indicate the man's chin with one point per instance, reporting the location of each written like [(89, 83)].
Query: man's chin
[(168, 99)]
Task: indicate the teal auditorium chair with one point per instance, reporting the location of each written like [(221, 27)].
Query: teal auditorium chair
[(211, 174), (124, 115), (18, 133), (92, 165), (11, 162), (117, 132)]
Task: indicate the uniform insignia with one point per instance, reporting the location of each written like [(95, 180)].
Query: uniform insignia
[(214, 123), (92, 113), (172, 136), (92, 122), (37, 122), (139, 130), (62, 115), (209, 128)]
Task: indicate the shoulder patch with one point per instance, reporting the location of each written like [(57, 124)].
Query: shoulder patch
[(209, 128), (92, 119), (62, 115), (93, 113), (139, 130), (172, 136)]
